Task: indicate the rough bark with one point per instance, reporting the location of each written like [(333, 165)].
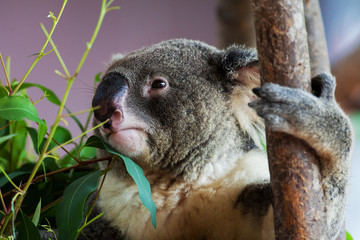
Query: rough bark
[(319, 58), (296, 181), (235, 23)]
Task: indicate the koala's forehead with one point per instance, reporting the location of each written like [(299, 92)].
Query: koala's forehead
[(171, 57)]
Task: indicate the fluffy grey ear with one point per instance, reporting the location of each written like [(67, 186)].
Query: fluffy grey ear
[(240, 65), (238, 57)]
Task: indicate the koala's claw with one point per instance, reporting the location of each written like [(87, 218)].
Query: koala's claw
[(276, 93), (285, 109)]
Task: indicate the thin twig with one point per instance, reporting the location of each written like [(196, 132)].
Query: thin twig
[(3, 203), (63, 170), (6, 74), (41, 53), (80, 112), (56, 51), (65, 150), (73, 139)]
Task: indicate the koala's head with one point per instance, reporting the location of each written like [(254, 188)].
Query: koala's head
[(178, 104)]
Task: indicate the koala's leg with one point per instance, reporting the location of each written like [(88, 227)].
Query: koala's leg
[(317, 119)]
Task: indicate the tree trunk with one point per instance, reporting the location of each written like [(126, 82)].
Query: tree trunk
[(295, 178)]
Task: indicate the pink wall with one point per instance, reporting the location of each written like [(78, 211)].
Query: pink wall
[(136, 24)]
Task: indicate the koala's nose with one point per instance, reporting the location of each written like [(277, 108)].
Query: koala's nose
[(108, 99)]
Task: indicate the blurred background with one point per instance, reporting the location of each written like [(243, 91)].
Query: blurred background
[(140, 23)]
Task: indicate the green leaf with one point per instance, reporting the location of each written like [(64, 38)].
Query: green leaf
[(348, 236), (18, 144), (5, 138), (18, 108), (34, 137), (27, 230), (36, 216), (94, 141), (69, 215), (50, 95), (3, 92), (87, 153), (38, 137), (143, 185), (61, 135), (42, 129), (135, 172)]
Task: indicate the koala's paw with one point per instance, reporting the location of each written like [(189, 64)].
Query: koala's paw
[(292, 110)]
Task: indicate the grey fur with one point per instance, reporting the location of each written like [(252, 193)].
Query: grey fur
[(319, 121), (195, 121)]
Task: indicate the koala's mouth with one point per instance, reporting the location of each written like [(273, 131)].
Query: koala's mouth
[(128, 141)]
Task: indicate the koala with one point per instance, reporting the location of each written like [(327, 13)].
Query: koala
[(192, 116)]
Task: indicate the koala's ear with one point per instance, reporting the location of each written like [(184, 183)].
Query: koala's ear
[(240, 65)]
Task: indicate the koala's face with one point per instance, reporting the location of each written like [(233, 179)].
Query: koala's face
[(167, 104)]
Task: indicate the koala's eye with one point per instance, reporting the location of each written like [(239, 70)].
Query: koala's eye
[(156, 87), (158, 84)]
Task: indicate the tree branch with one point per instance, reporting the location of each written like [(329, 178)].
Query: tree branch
[(319, 58), (295, 177)]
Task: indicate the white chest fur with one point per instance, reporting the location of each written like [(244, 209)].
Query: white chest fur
[(203, 209)]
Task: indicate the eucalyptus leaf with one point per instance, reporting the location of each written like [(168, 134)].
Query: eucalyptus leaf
[(5, 138), (18, 145), (69, 214), (61, 135), (87, 153), (135, 172), (36, 216), (143, 185), (27, 230), (50, 95), (18, 108), (34, 137), (3, 92), (42, 129)]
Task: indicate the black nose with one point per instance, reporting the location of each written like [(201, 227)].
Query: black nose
[(107, 96)]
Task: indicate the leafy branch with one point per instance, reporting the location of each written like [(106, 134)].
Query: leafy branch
[(105, 7)]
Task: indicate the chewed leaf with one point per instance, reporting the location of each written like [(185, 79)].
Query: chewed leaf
[(135, 172), (18, 108), (69, 214)]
